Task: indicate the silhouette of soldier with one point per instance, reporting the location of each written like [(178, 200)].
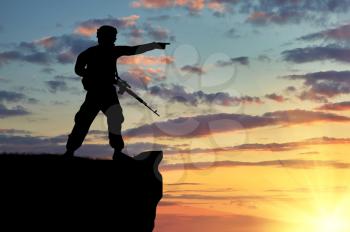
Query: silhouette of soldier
[(98, 66)]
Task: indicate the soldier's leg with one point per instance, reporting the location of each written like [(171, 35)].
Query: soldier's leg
[(83, 120), (115, 118)]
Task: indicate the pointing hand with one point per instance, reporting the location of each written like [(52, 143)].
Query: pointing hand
[(162, 45)]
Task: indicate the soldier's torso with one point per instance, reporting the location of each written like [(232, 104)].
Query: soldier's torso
[(101, 65)]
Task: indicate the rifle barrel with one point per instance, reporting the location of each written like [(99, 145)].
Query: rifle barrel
[(130, 92), (133, 94)]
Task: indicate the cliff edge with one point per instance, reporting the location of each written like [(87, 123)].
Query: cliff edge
[(81, 195)]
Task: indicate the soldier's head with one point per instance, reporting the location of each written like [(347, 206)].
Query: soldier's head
[(107, 35)]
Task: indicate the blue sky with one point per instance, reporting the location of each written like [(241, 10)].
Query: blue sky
[(257, 43)]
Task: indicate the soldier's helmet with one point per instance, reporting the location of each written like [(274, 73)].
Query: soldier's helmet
[(107, 31)]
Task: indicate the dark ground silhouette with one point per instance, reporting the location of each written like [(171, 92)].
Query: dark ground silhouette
[(62, 196)]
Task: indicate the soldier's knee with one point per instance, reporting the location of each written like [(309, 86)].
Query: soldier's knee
[(80, 118), (83, 118), (115, 114), (77, 117)]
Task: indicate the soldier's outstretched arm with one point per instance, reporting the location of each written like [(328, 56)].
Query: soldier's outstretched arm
[(140, 49)]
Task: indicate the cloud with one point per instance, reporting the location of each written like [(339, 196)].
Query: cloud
[(323, 85), (270, 147), (211, 197), (14, 132), (341, 106), (6, 96), (65, 48), (193, 219), (160, 18), (27, 143), (239, 60), (291, 89), (136, 33), (60, 84), (137, 148), (67, 57), (193, 69), (67, 78), (14, 97), (264, 58), (59, 44), (204, 125), (35, 58), (339, 34), (146, 60), (184, 184), (265, 12), (12, 112), (167, 203), (264, 17), (55, 86), (158, 33), (152, 4), (295, 164), (48, 70), (18, 141), (217, 6), (232, 34), (89, 28), (311, 54), (262, 12), (302, 116), (141, 78), (335, 189), (33, 101), (177, 93), (191, 5), (276, 98), (280, 147), (29, 140), (56, 49)]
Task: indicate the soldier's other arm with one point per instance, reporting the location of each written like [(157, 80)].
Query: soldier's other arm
[(80, 66), (140, 49)]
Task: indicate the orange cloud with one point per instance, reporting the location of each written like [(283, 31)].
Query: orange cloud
[(192, 5), (275, 97), (216, 6), (46, 42), (259, 17), (141, 78), (341, 106), (146, 60), (86, 31), (196, 5), (88, 28), (152, 4), (189, 218)]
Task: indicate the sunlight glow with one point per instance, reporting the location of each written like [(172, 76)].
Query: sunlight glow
[(332, 223)]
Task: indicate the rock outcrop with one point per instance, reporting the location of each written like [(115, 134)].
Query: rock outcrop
[(81, 194)]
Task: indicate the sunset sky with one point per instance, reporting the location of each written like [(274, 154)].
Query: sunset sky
[(253, 97)]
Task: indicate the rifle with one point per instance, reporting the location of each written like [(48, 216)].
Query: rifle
[(125, 87)]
